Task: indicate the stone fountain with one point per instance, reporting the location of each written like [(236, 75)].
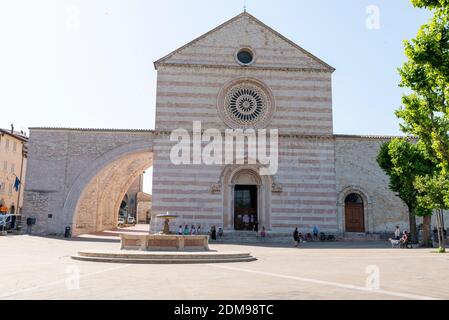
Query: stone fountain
[(164, 241), (163, 248)]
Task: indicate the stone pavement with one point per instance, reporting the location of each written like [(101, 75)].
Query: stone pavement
[(41, 268)]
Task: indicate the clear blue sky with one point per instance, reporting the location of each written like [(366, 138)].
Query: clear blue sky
[(97, 70), (54, 72)]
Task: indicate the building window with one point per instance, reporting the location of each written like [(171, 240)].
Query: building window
[(12, 167), (246, 104), (10, 189), (14, 146), (245, 57), (5, 165), (7, 144), (354, 198), (2, 187)]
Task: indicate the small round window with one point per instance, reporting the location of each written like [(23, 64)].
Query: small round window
[(245, 57)]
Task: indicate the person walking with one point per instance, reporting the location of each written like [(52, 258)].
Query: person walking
[(180, 231), (186, 230), (193, 230), (296, 237), (198, 230)]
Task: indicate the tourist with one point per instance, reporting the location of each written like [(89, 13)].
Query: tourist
[(220, 233), (256, 228), (198, 230), (315, 232), (193, 230), (186, 230), (213, 233), (263, 233), (180, 231), (404, 239), (296, 237), (397, 233)]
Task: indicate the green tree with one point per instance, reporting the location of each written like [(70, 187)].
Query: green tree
[(425, 112), (404, 161), (433, 196)]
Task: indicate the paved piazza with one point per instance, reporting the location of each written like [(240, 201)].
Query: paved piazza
[(41, 268)]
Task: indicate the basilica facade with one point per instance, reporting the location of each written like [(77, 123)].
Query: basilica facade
[(240, 75)]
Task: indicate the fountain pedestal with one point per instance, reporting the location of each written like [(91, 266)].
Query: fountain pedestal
[(164, 242)]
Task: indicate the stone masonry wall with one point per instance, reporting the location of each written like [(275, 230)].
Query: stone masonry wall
[(56, 158)]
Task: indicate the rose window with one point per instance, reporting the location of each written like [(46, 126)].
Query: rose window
[(246, 104)]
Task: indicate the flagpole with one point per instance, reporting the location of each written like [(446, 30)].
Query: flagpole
[(20, 185)]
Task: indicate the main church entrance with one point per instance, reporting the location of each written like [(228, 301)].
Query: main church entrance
[(245, 211)]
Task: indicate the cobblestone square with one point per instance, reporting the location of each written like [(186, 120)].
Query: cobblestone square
[(41, 268)]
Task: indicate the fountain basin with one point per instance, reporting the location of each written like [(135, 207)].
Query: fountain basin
[(164, 242)]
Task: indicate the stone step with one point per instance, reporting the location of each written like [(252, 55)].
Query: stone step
[(156, 255), (164, 261), (163, 258)]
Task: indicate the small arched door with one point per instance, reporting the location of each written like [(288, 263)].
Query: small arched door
[(354, 213)]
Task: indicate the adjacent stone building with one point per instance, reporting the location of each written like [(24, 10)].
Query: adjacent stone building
[(13, 163), (241, 75)]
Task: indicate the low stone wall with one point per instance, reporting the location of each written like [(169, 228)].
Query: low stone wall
[(164, 243)]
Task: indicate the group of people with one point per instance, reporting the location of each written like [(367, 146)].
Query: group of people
[(263, 232), (189, 232), (213, 233), (298, 237), (403, 238)]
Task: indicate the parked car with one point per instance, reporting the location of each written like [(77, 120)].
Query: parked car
[(6, 222), (131, 220)]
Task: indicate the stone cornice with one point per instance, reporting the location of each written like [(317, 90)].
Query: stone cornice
[(91, 129), (167, 133), (372, 137), (240, 68)]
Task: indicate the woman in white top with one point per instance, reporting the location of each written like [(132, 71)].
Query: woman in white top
[(397, 233)]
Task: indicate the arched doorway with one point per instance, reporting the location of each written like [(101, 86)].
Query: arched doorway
[(247, 181), (354, 213), (246, 184)]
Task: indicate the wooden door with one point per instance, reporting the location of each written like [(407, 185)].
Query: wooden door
[(355, 217)]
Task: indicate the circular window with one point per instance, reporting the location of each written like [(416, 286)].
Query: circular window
[(245, 104), (245, 57)]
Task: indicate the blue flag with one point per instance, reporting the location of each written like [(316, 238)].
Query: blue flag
[(17, 184)]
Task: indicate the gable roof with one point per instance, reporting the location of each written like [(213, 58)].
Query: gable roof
[(257, 21)]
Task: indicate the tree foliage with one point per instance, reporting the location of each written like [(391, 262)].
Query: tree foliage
[(425, 112), (404, 161)]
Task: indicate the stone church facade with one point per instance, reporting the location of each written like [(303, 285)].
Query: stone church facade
[(241, 75)]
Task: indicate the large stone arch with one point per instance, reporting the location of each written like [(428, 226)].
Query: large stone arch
[(93, 201)]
